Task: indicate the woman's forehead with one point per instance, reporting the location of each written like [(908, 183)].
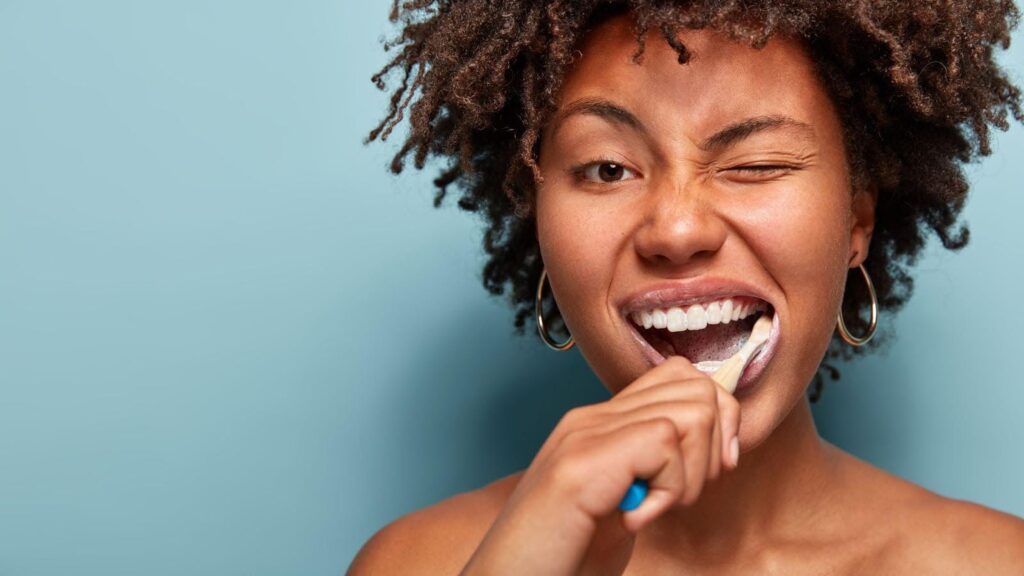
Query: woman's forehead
[(723, 80)]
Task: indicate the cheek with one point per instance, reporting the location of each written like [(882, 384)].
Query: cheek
[(799, 229), (805, 239), (802, 240), (577, 245)]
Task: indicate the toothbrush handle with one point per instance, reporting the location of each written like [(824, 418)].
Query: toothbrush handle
[(634, 495), (728, 374)]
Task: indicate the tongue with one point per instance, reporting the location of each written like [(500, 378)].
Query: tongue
[(716, 342)]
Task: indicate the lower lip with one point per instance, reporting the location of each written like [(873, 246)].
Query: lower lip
[(751, 372)]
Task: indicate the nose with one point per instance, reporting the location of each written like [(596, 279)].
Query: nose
[(680, 224)]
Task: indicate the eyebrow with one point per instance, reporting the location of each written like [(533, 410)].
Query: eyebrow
[(748, 126), (723, 138)]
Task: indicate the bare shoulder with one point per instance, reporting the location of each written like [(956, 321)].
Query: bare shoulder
[(923, 532), (963, 537), (438, 539)]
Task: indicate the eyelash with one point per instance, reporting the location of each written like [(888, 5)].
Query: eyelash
[(579, 170), (762, 169)]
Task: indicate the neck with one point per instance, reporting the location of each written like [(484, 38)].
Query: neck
[(776, 491)]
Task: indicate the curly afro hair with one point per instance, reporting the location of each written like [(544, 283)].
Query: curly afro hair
[(915, 85)]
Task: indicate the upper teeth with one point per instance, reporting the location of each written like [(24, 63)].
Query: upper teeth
[(697, 316)]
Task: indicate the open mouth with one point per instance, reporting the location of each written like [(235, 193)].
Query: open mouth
[(706, 335)]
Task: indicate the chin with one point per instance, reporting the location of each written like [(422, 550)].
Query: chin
[(765, 408)]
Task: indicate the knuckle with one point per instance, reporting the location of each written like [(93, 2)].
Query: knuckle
[(572, 414), (569, 471), (728, 405), (676, 360), (677, 363), (706, 414), (665, 431), (570, 439), (572, 418)]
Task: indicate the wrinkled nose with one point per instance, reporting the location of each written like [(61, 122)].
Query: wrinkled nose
[(680, 224)]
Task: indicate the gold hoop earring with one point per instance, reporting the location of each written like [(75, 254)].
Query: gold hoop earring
[(540, 319), (845, 333)]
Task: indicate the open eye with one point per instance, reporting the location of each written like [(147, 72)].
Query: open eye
[(604, 172)]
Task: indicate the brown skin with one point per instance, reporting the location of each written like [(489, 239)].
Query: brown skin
[(797, 504)]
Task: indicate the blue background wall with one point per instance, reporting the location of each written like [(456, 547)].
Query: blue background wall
[(231, 343)]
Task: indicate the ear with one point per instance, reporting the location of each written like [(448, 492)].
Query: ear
[(863, 223)]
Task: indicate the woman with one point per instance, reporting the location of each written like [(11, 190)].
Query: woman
[(673, 171)]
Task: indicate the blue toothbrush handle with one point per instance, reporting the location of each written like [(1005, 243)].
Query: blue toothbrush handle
[(634, 496)]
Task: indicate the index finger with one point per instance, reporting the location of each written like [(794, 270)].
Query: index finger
[(673, 368)]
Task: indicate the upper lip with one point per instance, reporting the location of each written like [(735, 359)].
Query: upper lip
[(685, 292)]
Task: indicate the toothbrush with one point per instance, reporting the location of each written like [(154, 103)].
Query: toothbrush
[(728, 376)]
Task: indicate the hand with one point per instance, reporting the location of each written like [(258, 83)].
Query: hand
[(673, 426)]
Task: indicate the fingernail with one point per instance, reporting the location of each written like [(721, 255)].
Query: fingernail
[(734, 450)]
